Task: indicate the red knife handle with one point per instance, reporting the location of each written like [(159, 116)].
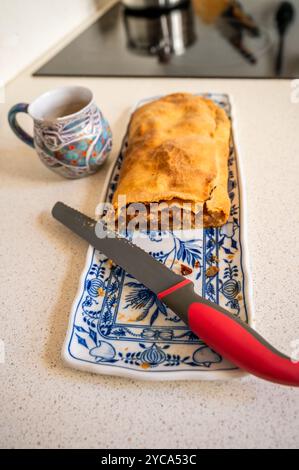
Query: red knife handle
[(230, 336)]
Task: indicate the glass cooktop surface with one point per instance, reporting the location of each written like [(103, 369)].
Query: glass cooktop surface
[(199, 38)]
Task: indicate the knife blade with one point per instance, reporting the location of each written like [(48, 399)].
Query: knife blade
[(156, 276), (216, 326)]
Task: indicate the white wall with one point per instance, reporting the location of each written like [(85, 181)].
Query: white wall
[(28, 28)]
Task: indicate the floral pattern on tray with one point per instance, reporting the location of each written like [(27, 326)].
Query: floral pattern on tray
[(120, 327)]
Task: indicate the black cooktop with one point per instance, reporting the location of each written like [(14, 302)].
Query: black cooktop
[(187, 41)]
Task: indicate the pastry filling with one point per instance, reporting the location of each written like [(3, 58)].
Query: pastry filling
[(163, 216)]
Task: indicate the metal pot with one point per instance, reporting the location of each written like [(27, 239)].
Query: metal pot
[(145, 4), (162, 34)]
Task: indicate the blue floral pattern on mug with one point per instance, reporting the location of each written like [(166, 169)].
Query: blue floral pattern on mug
[(74, 147)]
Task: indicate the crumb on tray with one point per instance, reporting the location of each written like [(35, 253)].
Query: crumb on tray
[(212, 271)]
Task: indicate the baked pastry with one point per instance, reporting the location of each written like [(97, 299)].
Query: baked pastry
[(177, 152)]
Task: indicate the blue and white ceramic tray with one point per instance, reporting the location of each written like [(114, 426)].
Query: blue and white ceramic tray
[(118, 327)]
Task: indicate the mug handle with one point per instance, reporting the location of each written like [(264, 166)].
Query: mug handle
[(16, 128)]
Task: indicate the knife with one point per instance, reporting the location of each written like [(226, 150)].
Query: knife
[(216, 326)]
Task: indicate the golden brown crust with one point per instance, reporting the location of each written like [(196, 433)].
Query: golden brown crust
[(178, 149)]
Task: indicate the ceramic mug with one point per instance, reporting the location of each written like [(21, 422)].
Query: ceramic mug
[(71, 136)]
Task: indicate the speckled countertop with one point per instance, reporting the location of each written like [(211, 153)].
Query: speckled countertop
[(44, 404)]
